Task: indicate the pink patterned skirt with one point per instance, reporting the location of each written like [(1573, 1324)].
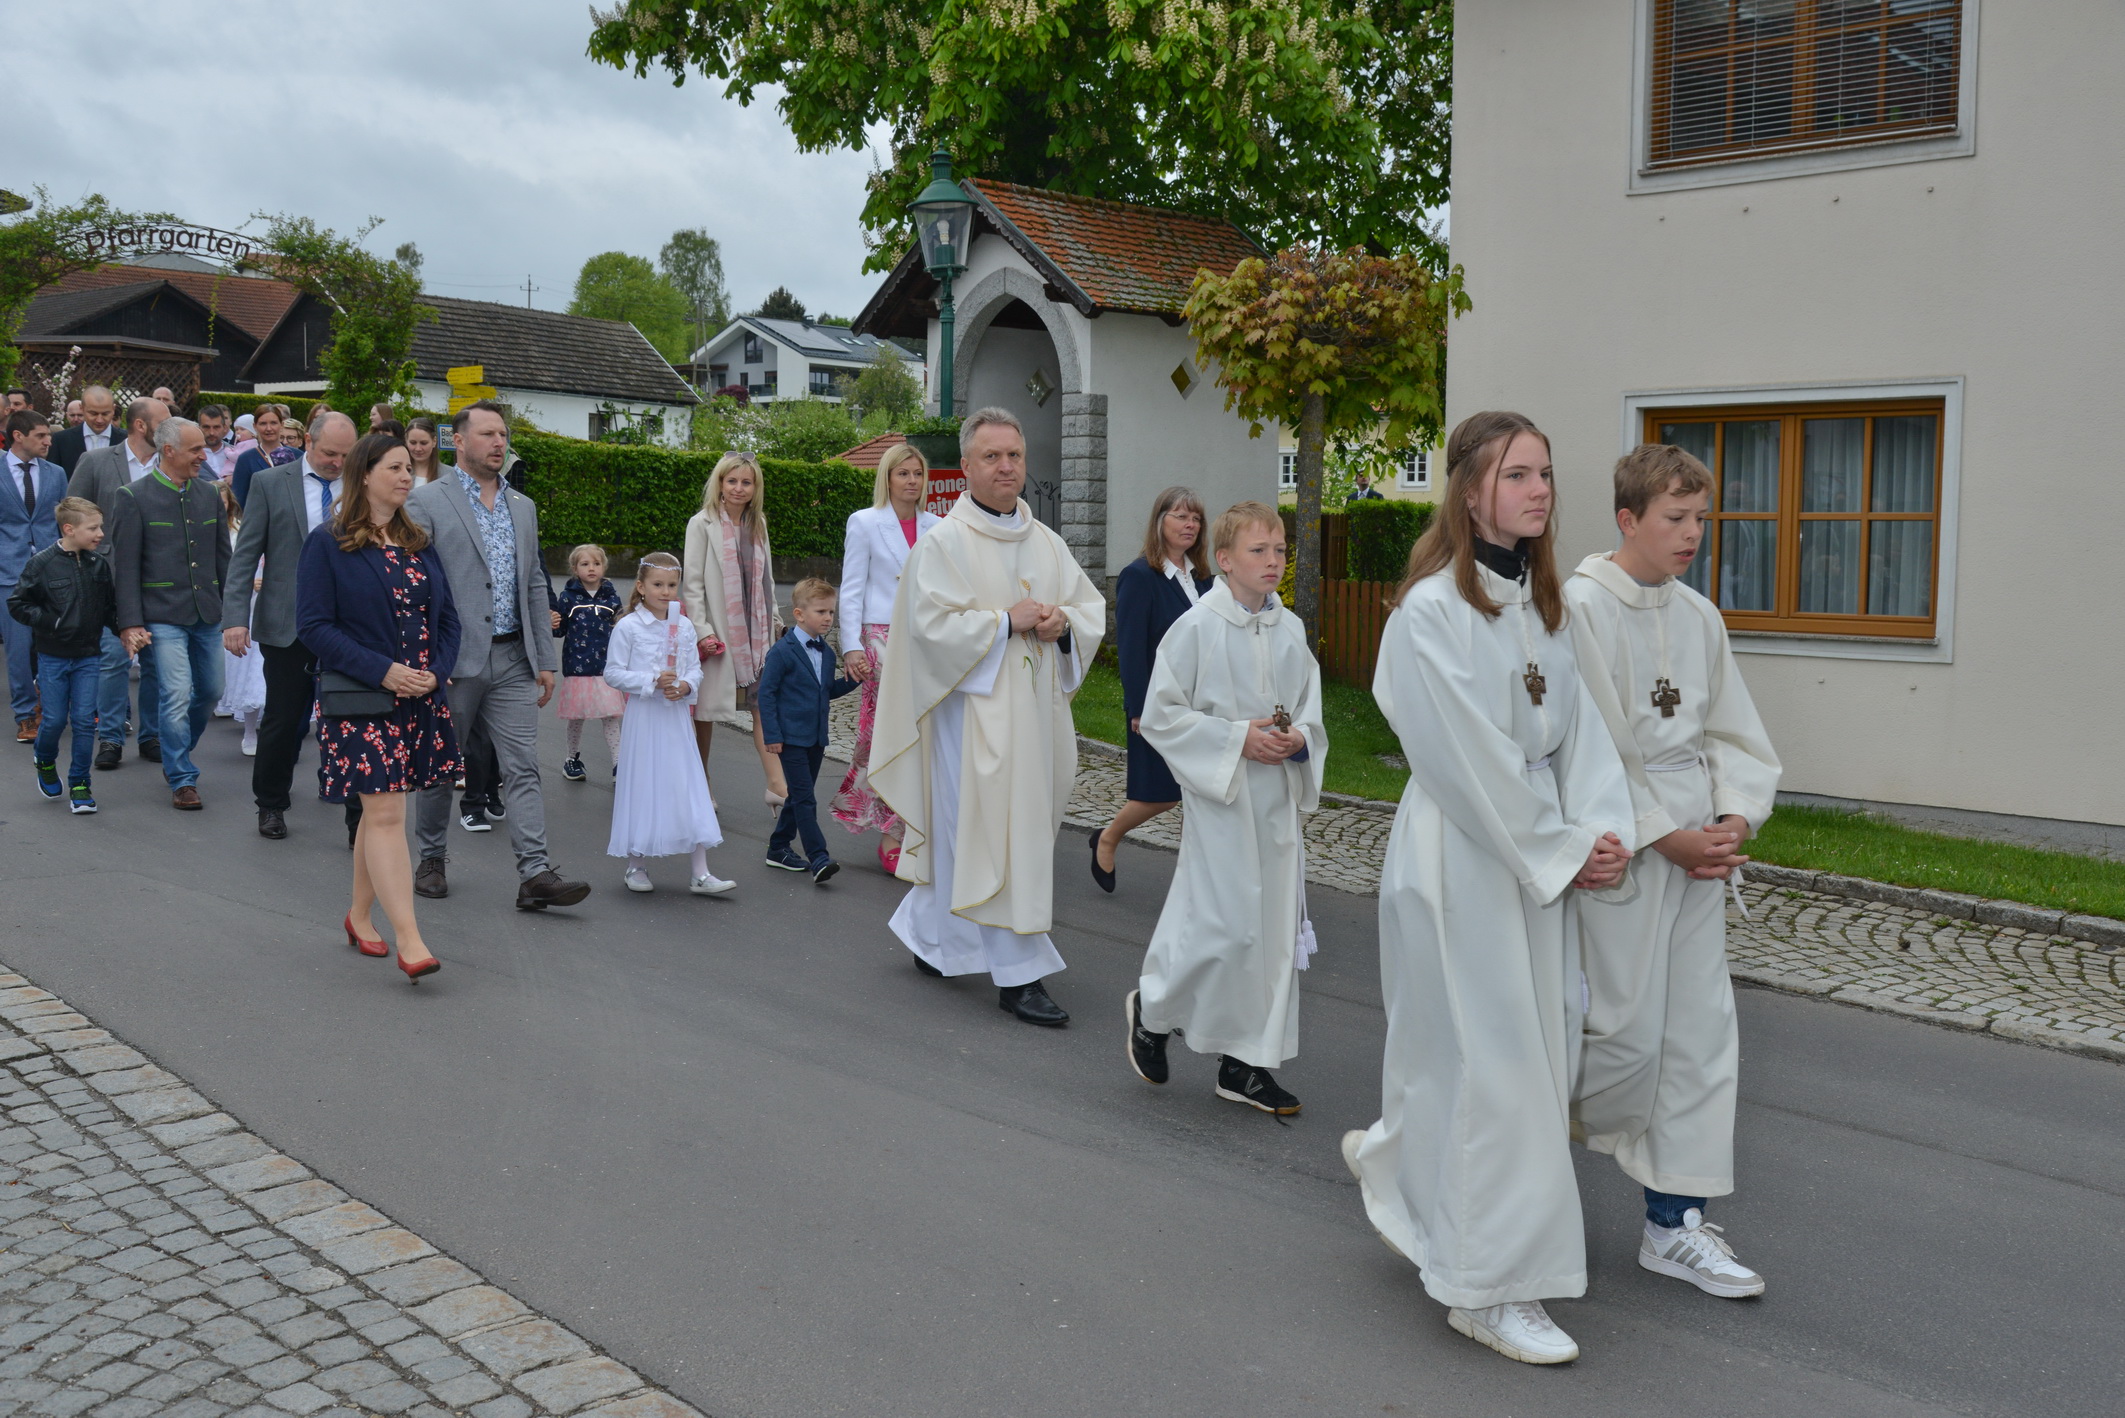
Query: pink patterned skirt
[(855, 806)]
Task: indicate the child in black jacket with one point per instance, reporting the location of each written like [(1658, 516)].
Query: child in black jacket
[(67, 598), (801, 676), (582, 620)]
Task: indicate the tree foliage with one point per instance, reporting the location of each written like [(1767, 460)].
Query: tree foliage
[(41, 244), (886, 387), (1335, 343), (616, 286), (807, 430), (781, 305), (375, 305), (1299, 120), (693, 262)]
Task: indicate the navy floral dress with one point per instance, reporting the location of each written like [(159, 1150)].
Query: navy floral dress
[(415, 745)]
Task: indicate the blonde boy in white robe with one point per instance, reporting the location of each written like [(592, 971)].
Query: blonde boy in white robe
[(1661, 1052), (1234, 707)]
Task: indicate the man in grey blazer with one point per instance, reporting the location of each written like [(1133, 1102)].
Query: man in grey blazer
[(287, 503), (97, 477), (487, 534)]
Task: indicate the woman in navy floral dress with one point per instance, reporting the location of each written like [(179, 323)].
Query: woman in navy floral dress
[(373, 604)]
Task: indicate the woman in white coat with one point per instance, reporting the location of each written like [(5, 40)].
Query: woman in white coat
[(873, 550), (728, 584), (1516, 796)]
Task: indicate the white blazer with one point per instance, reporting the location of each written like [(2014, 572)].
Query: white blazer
[(872, 553)]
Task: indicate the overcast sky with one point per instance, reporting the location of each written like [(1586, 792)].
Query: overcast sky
[(476, 128)]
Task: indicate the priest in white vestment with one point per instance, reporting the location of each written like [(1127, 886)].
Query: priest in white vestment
[(974, 745), (1221, 970)]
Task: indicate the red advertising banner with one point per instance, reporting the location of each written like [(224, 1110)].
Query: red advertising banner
[(945, 486)]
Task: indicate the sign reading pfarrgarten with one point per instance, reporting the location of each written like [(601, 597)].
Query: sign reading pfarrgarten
[(225, 246)]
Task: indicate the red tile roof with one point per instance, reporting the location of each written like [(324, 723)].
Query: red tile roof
[(867, 453), (253, 305), (1123, 256)]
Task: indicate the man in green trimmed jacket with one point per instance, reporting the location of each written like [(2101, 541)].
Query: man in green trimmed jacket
[(169, 553)]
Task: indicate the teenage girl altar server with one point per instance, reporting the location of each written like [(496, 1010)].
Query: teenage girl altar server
[(1515, 797), (660, 804)]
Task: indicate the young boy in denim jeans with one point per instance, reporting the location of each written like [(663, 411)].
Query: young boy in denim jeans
[(66, 597), (801, 676)]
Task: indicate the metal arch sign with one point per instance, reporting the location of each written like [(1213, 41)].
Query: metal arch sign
[(174, 237)]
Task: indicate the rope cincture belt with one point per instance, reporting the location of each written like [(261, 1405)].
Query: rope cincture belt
[(1734, 880)]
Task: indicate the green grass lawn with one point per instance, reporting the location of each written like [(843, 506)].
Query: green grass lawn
[(1823, 839), (1357, 733)]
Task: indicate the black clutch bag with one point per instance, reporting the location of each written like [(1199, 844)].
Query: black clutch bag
[(345, 697)]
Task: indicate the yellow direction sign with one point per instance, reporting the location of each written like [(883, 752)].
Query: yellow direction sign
[(468, 386)]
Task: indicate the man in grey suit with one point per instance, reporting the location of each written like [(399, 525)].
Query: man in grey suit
[(97, 477), (487, 534), (287, 504)]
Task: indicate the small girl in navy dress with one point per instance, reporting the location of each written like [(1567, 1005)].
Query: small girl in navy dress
[(582, 621)]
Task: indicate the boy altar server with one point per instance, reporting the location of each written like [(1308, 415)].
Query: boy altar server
[(1659, 1060), (1234, 707)]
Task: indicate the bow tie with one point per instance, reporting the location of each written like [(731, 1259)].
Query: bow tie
[(811, 644)]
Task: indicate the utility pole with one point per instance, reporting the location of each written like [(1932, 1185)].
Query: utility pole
[(528, 289)]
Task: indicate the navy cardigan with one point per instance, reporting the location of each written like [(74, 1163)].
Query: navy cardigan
[(344, 612), (1146, 603)]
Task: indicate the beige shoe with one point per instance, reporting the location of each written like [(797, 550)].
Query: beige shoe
[(1518, 1329)]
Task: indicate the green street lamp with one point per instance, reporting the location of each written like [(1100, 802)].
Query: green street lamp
[(944, 221)]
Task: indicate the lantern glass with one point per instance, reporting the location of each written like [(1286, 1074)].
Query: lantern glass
[(944, 219)]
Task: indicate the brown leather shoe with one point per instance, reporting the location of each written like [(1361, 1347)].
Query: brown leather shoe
[(428, 878), (549, 889), (26, 729), (186, 800)]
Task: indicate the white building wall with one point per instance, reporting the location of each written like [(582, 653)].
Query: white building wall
[(1006, 361), (1997, 271), (567, 414)]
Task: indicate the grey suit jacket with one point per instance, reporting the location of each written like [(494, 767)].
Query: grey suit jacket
[(99, 475), (275, 524), (443, 509)]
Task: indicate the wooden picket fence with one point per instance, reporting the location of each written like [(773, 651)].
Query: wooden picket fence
[(1353, 617)]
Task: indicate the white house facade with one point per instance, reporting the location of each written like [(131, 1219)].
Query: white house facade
[(1068, 314), (791, 359), (1861, 259)]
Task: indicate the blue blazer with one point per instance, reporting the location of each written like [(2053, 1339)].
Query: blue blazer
[(25, 531), (344, 614), (792, 701), (1146, 603)]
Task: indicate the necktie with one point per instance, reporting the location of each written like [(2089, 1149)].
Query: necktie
[(29, 486)]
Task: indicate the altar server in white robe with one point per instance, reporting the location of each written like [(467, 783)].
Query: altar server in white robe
[(1515, 797), (974, 746), (1234, 708), (1661, 1055)]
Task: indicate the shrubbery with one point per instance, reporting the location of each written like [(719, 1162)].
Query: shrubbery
[(1381, 534)]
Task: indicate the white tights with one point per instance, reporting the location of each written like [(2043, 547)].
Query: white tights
[(635, 863)]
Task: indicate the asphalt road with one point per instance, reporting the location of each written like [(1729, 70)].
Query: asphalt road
[(746, 1146)]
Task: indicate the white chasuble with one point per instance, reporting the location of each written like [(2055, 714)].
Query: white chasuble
[(1468, 1172), (1661, 1056), (974, 746), (1220, 968)]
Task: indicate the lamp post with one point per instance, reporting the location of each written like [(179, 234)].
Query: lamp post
[(944, 220)]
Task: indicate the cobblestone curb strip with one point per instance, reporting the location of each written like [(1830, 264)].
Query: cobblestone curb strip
[(155, 1258)]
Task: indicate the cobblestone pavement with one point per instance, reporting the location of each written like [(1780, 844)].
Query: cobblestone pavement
[(155, 1258), (2023, 982)]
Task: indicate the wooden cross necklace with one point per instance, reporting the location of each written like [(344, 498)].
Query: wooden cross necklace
[(1537, 686), (1665, 696)]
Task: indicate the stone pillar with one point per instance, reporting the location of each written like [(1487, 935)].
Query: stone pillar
[(1084, 481)]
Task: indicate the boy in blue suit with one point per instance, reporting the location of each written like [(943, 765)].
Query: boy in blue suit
[(801, 676)]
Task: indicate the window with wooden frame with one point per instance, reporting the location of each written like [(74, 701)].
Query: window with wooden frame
[(1825, 517), (1738, 79)]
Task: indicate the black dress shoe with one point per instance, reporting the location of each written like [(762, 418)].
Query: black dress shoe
[(1147, 1050), (429, 879), (152, 750), (548, 889), (1100, 874), (1031, 1003), (272, 824), (928, 969), (109, 755)]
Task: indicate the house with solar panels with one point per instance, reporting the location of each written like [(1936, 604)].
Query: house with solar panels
[(790, 359)]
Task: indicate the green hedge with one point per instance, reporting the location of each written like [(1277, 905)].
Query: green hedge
[(1381, 534), (635, 496)]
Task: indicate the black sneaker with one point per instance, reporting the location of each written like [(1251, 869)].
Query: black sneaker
[(473, 820), (151, 750), (1244, 1083), (495, 811), (788, 861), (1147, 1051), (109, 755), (572, 770)]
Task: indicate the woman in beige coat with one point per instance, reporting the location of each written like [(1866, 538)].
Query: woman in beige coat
[(729, 587)]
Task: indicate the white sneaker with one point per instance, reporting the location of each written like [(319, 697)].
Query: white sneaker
[(637, 880), (1696, 1251), (710, 885), (1518, 1329)]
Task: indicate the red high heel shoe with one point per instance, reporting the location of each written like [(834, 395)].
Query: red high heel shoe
[(414, 972), (365, 946)]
